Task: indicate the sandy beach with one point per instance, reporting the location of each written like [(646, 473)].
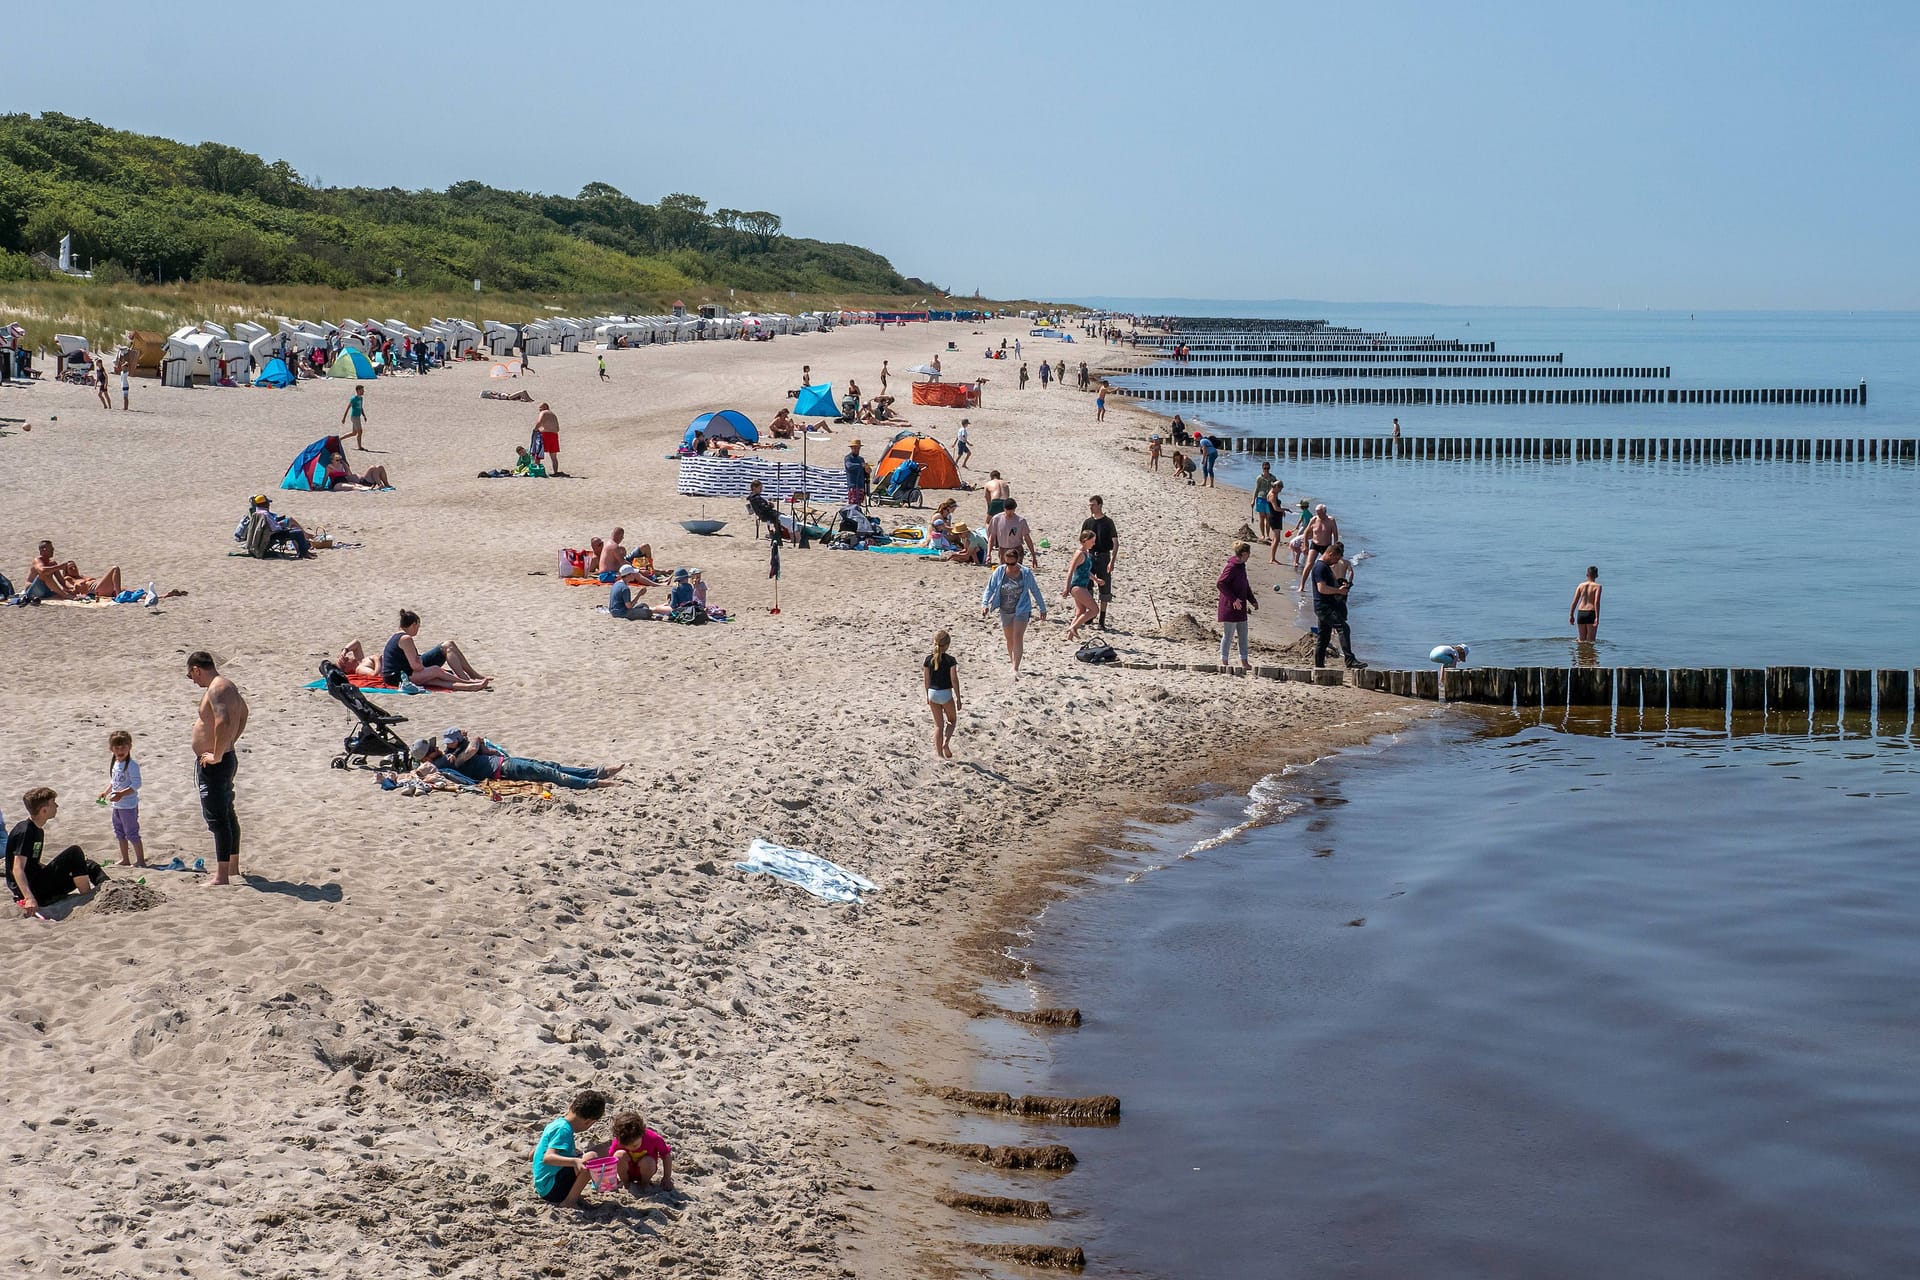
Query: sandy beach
[(340, 1067)]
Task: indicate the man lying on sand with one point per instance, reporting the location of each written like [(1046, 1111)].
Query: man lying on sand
[(50, 579), (473, 760)]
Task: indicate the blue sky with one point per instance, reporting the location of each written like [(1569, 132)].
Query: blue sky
[(1678, 155)]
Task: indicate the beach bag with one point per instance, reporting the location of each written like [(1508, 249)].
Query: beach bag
[(1097, 651), (573, 564), (6, 588)]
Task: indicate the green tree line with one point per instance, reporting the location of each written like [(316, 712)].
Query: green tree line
[(144, 208)]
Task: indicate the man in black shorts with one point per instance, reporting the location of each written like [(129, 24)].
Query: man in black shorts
[(1106, 549)]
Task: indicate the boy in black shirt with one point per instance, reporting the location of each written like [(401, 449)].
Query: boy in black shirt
[(33, 883)]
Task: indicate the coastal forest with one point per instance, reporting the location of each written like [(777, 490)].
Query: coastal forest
[(148, 210)]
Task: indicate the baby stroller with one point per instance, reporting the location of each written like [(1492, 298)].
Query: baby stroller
[(901, 487), (373, 744)]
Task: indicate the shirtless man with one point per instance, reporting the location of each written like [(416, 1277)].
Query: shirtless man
[(1322, 532), (613, 553), (546, 435), (1008, 531), (997, 491), (61, 580), (441, 667), (221, 720), (1584, 613)]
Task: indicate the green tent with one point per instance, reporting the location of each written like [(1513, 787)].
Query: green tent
[(350, 363)]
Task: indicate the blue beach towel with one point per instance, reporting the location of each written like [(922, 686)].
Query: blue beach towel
[(815, 874)]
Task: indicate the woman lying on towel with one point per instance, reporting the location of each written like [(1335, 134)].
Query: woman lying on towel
[(341, 476)]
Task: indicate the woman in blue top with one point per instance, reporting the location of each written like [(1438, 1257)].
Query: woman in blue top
[(1080, 583), (1014, 593)]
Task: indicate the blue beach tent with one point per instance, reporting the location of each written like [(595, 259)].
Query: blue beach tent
[(816, 402), (724, 424), (274, 375), (309, 470)]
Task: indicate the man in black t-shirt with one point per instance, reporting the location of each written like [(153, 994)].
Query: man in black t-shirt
[(1106, 549)]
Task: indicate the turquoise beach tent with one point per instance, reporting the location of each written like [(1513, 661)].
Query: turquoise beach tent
[(816, 402), (726, 424), (350, 363), (274, 375), (309, 470)]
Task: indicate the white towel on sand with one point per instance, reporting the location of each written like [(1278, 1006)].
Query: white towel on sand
[(815, 874)]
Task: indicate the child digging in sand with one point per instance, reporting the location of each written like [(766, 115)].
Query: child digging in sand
[(123, 795), (559, 1170), (640, 1152)]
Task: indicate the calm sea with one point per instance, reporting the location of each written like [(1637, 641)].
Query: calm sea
[(1494, 999)]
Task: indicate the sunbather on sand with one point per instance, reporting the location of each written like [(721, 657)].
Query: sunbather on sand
[(441, 667), (473, 760), (341, 476), (354, 660), (783, 427), (60, 580)]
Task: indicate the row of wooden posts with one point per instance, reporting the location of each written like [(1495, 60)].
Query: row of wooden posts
[(1580, 449), (1318, 370), (1853, 691), (1341, 342), (1499, 395), (1353, 355)]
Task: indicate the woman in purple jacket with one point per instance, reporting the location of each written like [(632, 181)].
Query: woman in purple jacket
[(1236, 597)]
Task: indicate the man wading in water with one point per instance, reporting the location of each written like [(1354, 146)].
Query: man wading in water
[(1583, 615), (217, 727)]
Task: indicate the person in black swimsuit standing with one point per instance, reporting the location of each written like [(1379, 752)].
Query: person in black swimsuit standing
[(1584, 613), (940, 675)]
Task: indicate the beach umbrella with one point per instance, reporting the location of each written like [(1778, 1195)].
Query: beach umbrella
[(927, 369)]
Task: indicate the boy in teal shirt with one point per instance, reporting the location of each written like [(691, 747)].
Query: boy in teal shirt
[(559, 1170)]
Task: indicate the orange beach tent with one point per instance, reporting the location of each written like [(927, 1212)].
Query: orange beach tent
[(936, 464)]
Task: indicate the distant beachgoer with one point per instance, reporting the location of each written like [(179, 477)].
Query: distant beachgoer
[(100, 382), (962, 450), (1153, 454), (123, 798), (1106, 551), (357, 410), (1060, 372), (1396, 428), (940, 677), (997, 492), (1209, 454), (559, 1170), (1448, 655), (546, 439), (341, 476), (33, 883), (859, 478), (1100, 405), (126, 388), (1262, 505), (1080, 585), (603, 369), (1023, 377), (1236, 598), (883, 377), (1046, 375), (1016, 352), (48, 579), (1332, 582), (1009, 531), (471, 760), (1015, 594), (1584, 613), (1322, 532), (442, 667), (217, 727), (936, 368)]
